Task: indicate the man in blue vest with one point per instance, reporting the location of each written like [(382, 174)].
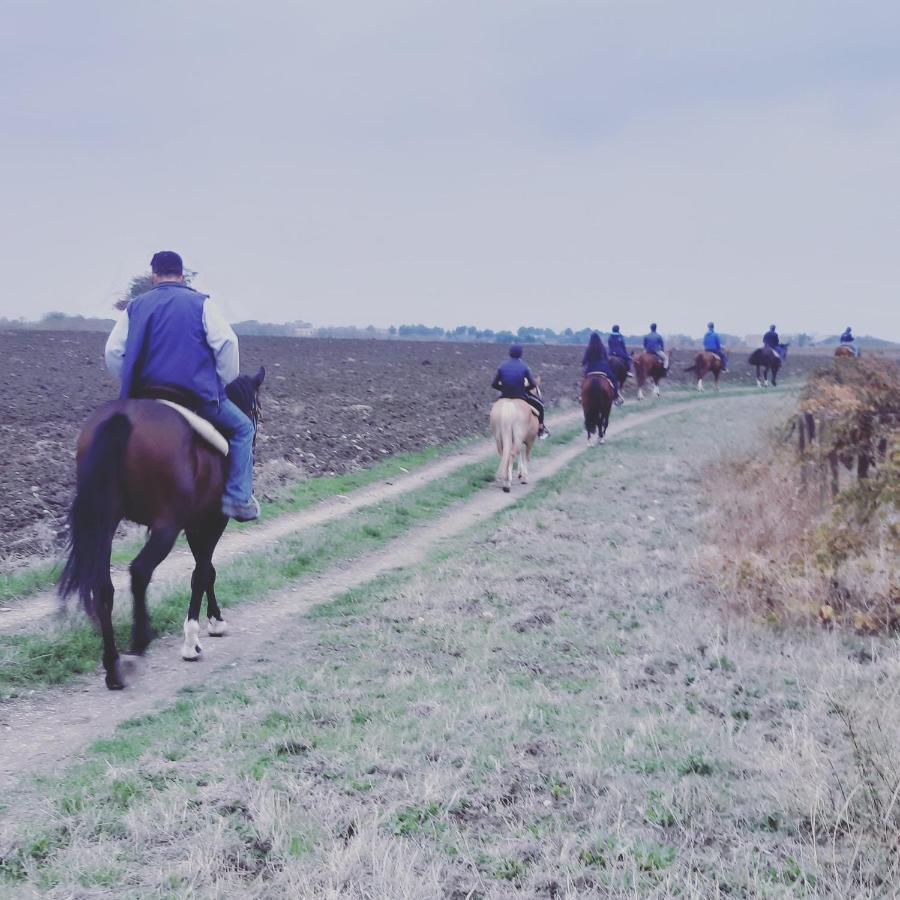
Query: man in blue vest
[(771, 339), (653, 343), (616, 346), (713, 344), (515, 381), (173, 335)]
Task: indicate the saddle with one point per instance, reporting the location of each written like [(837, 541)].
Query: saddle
[(609, 380), (186, 403)]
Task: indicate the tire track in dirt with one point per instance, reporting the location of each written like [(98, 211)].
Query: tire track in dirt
[(176, 569), (48, 727)]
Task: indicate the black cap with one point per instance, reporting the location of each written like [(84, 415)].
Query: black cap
[(167, 262)]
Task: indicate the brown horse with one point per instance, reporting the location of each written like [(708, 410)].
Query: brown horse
[(619, 368), (844, 351), (596, 400), (648, 366), (140, 460), (704, 363), (515, 428)]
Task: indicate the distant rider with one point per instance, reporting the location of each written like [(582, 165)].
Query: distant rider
[(175, 336), (617, 347), (595, 359), (515, 381), (847, 340), (653, 343), (713, 344)]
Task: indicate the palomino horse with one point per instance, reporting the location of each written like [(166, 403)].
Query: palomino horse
[(596, 401), (845, 351), (515, 428), (705, 362), (767, 360), (140, 460), (648, 365)]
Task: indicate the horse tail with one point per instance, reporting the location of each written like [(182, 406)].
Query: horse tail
[(95, 512), (594, 413)]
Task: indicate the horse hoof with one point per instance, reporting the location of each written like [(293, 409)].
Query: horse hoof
[(216, 627), (601, 441), (505, 489), (191, 649), (114, 679)]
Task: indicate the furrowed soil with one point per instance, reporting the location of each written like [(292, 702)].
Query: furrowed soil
[(550, 704), (330, 406)]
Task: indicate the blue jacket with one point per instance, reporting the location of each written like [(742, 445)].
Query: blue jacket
[(653, 342), (617, 346), (847, 337), (711, 342), (596, 363), (770, 339), (513, 379), (167, 343)]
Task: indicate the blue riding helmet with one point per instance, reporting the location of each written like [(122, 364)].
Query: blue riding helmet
[(515, 351)]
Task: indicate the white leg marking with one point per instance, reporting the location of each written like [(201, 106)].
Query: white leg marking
[(216, 628), (191, 649)]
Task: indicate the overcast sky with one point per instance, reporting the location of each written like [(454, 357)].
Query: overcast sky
[(494, 163)]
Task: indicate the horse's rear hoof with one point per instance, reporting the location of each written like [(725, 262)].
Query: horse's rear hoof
[(114, 679), (216, 627), (191, 649), (505, 489)]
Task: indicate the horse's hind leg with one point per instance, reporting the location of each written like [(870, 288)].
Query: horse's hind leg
[(202, 541), (103, 603), (157, 548)]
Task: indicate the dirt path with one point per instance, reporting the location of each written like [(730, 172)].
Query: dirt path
[(49, 727), (177, 567)]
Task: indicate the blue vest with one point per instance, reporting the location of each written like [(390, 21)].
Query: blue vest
[(167, 343), (770, 339), (653, 342), (512, 375), (711, 342), (847, 338)]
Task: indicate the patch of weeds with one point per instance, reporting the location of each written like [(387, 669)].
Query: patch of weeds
[(723, 663), (415, 819), (658, 812), (742, 714), (600, 854), (770, 822), (510, 869), (790, 872), (695, 764), (653, 857)]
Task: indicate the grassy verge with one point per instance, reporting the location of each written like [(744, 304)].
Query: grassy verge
[(30, 660), (541, 709)]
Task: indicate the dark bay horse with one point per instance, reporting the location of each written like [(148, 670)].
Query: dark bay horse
[(619, 368), (704, 363), (140, 460), (596, 401), (648, 366), (767, 360)]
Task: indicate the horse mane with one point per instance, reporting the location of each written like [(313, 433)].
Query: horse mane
[(243, 393)]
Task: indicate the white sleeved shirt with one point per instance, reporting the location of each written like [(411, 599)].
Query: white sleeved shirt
[(219, 335)]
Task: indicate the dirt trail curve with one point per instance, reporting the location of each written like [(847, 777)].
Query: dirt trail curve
[(49, 727), (177, 567)]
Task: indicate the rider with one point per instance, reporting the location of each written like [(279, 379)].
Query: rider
[(653, 343), (771, 339), (515, 381), (847, 340), (173, 335), (713, 344), (617, 347), (596, 359)]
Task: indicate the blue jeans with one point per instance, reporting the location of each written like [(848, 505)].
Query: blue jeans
[(229, 419)]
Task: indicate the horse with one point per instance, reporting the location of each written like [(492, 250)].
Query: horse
[(139, 459), (515, 429), (843, 350), (706, 361), (766, 360), (648, 365), (596, 401), (619, 368)]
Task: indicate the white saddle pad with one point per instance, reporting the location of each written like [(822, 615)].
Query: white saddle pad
[(205, 429)]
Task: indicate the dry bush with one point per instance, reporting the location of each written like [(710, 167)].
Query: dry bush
[(795, 539)]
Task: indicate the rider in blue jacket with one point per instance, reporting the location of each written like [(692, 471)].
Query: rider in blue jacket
[(713, 344), (848, 340), (771, 339), (595, 359), (653, 343), (515, 381), (617, 346)]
